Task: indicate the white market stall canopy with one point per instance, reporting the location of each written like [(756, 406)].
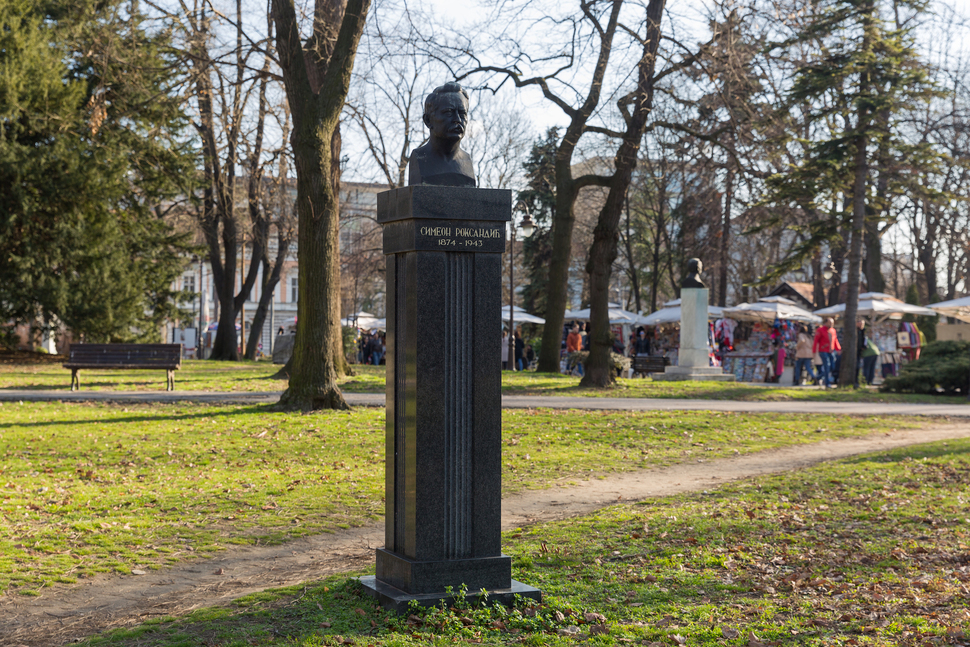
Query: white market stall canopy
[(956, 308), (768, 311), (878, 305), (670, 313), (617, 315), (520, 316), (365, 320)]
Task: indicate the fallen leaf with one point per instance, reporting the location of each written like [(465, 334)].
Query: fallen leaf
[(597, 630), (136, 571), (594, 618), (219, 571), (729, 633)]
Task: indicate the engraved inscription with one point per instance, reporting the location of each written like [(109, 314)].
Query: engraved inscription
[(461, 237), (444, 236)]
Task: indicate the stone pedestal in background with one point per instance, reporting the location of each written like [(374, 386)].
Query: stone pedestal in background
[(443, 462), (693, 361)]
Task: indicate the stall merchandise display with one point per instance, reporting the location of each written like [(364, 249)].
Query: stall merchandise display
[(749, 367), (760, 350), (666, 342), (884, 336)]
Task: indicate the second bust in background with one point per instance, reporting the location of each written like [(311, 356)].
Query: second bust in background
[(441, 160)]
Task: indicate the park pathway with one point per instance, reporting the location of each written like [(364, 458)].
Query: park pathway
[(520, 402), (64, 613)]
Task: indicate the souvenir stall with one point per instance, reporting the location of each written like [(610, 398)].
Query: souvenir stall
[(898, 341), (665, 322), (622, 324), (762, 343)]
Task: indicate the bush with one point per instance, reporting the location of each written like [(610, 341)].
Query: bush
[(942, 365), (350, 343), (620, 363)]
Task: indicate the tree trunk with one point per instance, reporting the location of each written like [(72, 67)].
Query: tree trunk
[(599, 366), (838, 250), (849, 370), (562, 242), (318, 347), (873, 241), (317, 80), (631, 263), (818, 283), (567, 189), (722, 278), (873, 244), (271, 278)]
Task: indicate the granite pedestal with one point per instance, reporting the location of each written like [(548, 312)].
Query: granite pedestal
[(443, 461), (693, 357)]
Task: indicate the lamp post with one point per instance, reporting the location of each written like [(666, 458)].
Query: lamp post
[(199, 346), (527, 227)]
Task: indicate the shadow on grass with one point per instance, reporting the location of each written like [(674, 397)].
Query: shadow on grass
[(934, 450), (236, 411)]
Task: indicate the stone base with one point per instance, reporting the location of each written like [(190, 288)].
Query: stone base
[(418, 578), (397, 600), (694, 374)]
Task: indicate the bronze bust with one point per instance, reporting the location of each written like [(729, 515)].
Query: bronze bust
[(440, 160), (693, 279)]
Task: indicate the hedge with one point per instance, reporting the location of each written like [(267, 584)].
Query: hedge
[(943, 365)]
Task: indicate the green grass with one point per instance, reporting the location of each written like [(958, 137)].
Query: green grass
[(867, 551), (529, 383), (39, 372), (87, 488), (44, 372)]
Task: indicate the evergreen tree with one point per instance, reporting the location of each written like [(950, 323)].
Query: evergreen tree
[(540, 198), (865, 77), (89, 148)]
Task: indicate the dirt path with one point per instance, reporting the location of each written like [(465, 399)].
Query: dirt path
[(64, 613)]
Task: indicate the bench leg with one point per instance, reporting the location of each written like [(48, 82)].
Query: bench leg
[(170, 380), (75, 382)]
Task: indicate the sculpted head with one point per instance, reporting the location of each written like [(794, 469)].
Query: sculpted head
[(692, 278), (446, 112)]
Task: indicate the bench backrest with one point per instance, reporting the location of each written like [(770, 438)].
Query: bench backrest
[(649, 363), (161, 355)]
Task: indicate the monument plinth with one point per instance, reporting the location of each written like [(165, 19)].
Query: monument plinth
[(443, 462), (693, 357)]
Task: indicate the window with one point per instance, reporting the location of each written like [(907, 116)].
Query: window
[(294, 288), (188, 283)]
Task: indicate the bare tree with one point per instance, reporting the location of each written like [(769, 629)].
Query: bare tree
[(316, 75)]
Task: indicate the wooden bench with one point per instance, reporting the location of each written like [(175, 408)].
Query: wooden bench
[(125, 356), (649, 364)]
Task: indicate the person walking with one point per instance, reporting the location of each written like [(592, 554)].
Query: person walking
[(826, 342), (574, 343), (803, 355), (374, 350), (519, 349), (868, 354), (642, 344), (505, 349)]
